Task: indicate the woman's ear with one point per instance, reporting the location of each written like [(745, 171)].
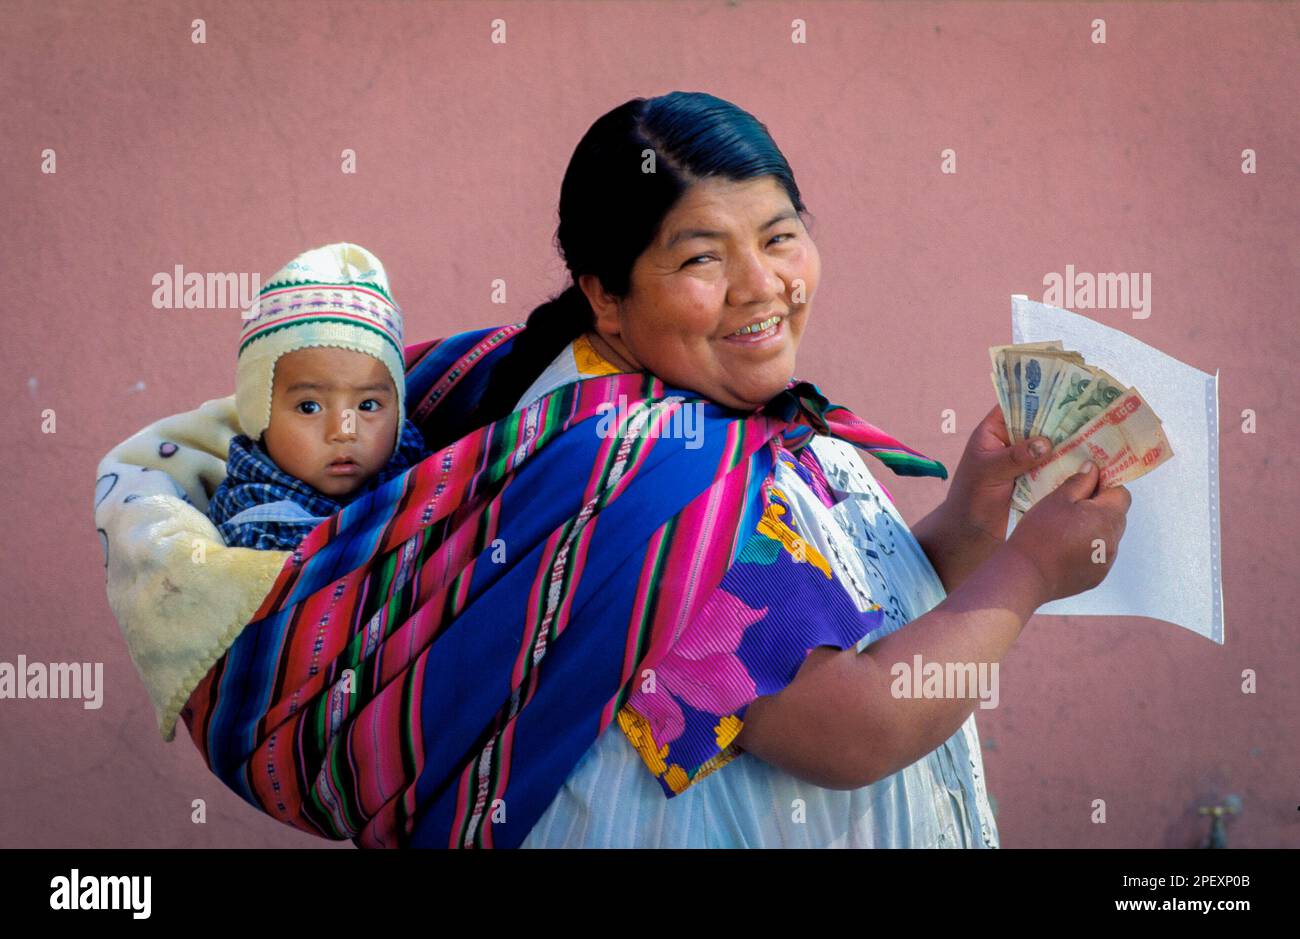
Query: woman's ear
[(604, 304)]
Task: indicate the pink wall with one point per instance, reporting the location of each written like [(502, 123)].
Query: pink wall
[(225, 157)]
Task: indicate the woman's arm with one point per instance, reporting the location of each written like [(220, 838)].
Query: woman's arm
[(971, 522), (838, 726), (954, 552)]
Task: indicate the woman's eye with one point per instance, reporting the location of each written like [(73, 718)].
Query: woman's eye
[(308, 404), (708, 257)]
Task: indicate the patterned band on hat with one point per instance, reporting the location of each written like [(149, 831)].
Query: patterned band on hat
[(281, 307)]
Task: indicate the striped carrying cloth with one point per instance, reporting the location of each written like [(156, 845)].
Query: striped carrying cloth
[(434, 660)]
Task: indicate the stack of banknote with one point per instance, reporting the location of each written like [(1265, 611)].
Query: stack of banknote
[(1045, 390)]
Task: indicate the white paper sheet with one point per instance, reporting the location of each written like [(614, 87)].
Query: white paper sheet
[(1168, 566)]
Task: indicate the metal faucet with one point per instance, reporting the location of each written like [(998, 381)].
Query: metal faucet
[(1218, 837)]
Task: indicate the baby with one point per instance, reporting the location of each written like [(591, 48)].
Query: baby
[(320, 391)]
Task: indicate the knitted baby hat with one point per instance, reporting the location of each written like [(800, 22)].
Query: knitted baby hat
[(332, 296)]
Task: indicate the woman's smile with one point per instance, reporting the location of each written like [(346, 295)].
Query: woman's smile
[(762, 335)]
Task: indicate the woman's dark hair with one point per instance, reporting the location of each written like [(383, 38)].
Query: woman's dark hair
[(611, 209)]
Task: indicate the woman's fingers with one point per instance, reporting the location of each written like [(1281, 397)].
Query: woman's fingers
[(1116, 497), (996, 424)]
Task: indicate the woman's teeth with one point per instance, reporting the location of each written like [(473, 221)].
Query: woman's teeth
[(758, 327)]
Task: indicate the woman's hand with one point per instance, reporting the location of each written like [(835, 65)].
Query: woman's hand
[(1061, 534), (971, 522)]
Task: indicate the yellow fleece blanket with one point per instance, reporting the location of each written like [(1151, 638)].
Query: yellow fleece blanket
[(180, 595)]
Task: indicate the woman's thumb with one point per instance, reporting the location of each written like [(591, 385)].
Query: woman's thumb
[(1082, 484)]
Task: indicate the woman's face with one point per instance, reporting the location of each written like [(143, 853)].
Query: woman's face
[(727, 255)]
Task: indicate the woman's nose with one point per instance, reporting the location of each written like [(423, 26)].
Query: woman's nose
[(754, 279)]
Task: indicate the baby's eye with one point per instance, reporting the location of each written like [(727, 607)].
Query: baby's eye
[(370, 400), (304, 404)]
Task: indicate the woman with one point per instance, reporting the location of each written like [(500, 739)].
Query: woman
[(588, 619), (672, 302)]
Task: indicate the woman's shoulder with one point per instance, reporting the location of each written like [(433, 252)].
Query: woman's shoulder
[(576, 361)]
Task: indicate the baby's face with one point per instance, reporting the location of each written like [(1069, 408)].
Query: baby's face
[(329, 404)]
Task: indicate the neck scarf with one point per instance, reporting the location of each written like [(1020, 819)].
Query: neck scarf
[(435, 658)]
